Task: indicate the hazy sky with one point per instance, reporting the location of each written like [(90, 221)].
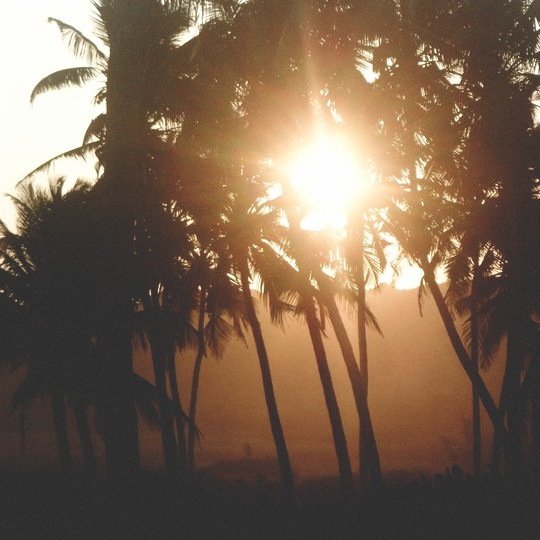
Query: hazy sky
[(31, 48)]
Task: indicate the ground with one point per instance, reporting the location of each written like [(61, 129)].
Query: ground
[(43, 504)]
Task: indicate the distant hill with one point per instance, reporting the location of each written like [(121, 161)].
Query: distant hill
[(418, 393)]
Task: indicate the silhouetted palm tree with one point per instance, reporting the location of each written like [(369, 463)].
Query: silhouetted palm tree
[(244, 239), (220, 315), (41, 269), (140, 39), (422, 220), (498, 83)]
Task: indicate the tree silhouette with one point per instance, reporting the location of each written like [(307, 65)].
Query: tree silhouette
[(42, 266)]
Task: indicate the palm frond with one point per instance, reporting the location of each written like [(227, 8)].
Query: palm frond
[(64, 78), (423, 293), (95, 130), (372, 322), (81, 46), (81, 152)]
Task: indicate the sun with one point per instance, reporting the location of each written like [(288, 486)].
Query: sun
[(332, 181), (327, 177)]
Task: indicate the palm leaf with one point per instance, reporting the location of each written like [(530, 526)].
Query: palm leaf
[(423, 293), (372, 322), (81, 152), (96, 129), (64, 78), (79, 44)]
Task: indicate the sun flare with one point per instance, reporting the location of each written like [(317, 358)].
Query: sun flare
[(327, 177)]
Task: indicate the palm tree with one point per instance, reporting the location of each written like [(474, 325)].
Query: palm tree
[(299, 251), (219, 317), (140, 39), (306, 245), (283, 84), (498, 80), (41, 269), (243, 237), (422, 220)]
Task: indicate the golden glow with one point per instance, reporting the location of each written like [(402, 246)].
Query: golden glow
[(330, 180), (327, 177)]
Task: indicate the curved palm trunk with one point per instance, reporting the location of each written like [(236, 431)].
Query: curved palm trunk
[(463, 356), (270, 398), (83, 427), (510, 407), (371, 453), (201, 351), (364, 462), (340, 442), (338, 433), (58, 405)]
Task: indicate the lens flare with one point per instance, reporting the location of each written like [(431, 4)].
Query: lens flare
[(327, 178)]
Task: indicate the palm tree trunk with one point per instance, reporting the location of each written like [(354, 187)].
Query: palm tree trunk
[(371, 453), (462, 354), (362, 352), (85, 436), (477, 433), (515, 457), (338, 433), (534, 373), (124, 160), (177, 406), (117, 403), (58, 405), (340, 442), (496, 446), (201, 351), (170, 451), (285, 469)]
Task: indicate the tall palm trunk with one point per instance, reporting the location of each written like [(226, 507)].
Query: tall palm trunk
[(476, 427), (462, 354), (477, 433), (370, 452), (496, 447), (340, 442), (364, 464), (117, 404), (534, 373), (285, 469), (515, 457), (177, 406), (201, 351), (58, 405), (85, 437), (170, 451), (338, 433), (124, 156)]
